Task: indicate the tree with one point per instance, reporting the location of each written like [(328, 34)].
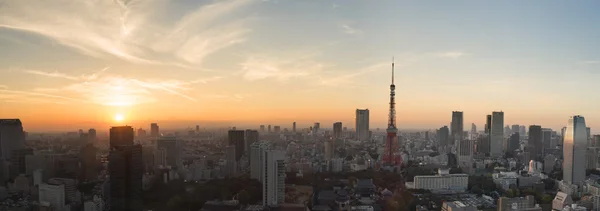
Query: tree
[(391, 205), (244, 197), (175, 202)]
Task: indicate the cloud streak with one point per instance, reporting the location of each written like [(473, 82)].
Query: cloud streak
[(130, 30), (117, 90), (346, 28), (452, 54), (280, 69)]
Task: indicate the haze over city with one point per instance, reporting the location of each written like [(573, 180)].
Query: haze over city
[(68, 64)]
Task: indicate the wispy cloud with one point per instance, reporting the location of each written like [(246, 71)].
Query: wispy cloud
[(281, 69), (113, 90), (349, 29), (3, 86), (52, 74), (130, 30), (57, 74), (347, 79), (25, 95), (334, 6), (590, 62), (452, 54)]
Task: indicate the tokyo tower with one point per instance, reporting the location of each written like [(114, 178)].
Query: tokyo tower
[(391, 155)]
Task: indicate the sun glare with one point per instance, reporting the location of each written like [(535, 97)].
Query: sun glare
[(119, 117)]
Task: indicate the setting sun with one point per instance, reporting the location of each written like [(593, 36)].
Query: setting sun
[(119, 117)]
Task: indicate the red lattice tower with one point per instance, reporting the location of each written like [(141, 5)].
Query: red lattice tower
[(391, 155)]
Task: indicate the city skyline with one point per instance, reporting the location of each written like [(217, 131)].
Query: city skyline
[(245, 63)]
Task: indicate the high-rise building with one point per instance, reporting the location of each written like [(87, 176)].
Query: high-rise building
[(277, 129), (230, 153), (274, 178), (456, 127), (12, 137), (262, 128), (473, 131), (88, 162), (257, 159), (197, 129), (316, 128), (18, 163), (547, 139), (574, 150), (522, 130), (488, 124), (443, 134), (497, 134), (588, 132), (535, 144), (92, 135), (269, 129), (362, 124), (173, 149), (515, 129), (329, 149), (337, 130), (154, 130), (251, 137), (596, 141), (294, 127), (236, 138), (482, 145), (141, 133), (465, 155), (513, 143), (126, 170)]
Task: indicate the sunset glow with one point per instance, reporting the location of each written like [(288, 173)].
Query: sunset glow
[(248, 63)]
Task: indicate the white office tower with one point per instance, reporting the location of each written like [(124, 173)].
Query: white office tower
[(574, 150), (362, 124), (273, 178), (53, 194), (257, 157), (497, 134)]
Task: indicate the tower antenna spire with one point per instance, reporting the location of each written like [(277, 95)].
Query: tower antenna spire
[(392, 70)]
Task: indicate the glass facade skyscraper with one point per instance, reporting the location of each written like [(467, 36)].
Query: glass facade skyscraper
[(574, 150)]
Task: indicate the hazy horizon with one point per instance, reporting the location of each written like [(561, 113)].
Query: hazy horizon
[(76, 64)]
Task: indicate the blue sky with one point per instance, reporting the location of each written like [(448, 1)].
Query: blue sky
[(258, 61)]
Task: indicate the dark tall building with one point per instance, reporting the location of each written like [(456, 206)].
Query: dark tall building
[(251, 137), (18, 161), (172, 148), (12, 137), (269, 129), (126, 170), (513, 143), (488, 124), (294, 127), (154, 130), (443, 135), (456, 128), (92, 135), (483, 145), (88, 162), (337, 130), (262, 128), (534, 144), (236, 138), (547, 138)]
